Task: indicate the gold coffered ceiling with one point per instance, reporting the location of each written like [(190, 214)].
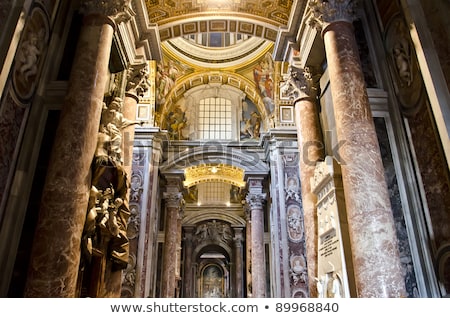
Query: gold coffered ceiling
[(166, 11), (271, 21)]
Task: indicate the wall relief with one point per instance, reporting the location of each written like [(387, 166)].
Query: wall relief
[(30, 54), (403, 64)]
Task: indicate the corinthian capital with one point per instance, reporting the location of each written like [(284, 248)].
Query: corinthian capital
[(324, 12), (301, 83), (174, 199), (255, 200), (117, 10), (137, 80)]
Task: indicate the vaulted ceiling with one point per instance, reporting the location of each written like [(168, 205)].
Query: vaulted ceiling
[(274, 12), (218, 41), (273, 22)]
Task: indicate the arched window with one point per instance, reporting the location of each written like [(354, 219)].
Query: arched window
[(215, 118)]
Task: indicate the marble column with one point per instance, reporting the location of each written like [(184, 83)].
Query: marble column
[(188, 287), (137, 85), (311, 150), (248, 251), (371, 226), (255, 200), (238, 261), (178, 251), (55, 254), (174, 202)]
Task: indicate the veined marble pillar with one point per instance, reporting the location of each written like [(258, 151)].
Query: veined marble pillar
[(55, 254), (255, 200), (311, 150), (248, 251), (174, 202), (178, 253), (238, 261), (188, 287), (371, 225), (137, 85)]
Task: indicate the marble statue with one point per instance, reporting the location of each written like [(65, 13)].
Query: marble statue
[(112, 123)]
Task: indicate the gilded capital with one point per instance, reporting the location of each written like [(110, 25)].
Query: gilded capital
[(324, 12), (137, 80), (117, 10)]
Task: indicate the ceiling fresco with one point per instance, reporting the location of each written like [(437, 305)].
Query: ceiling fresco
[(187, 63)]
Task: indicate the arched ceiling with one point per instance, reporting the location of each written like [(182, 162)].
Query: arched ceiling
[(264, 25), (164, 12), (273, 22)]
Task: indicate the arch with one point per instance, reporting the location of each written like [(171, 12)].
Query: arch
[(213, 273), (245, 24), (212, 79), (217, 214), (227, 58), (210, 246), (214, 152)]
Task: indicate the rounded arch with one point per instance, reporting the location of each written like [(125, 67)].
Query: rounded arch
[(211, 247), (238, 22), (217, 214), (213, 152), (216, 81)]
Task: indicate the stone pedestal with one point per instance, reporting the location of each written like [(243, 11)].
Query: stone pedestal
[(371, 226), (56, 251)]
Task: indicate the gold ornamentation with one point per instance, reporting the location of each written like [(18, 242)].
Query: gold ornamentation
[(214, 172)]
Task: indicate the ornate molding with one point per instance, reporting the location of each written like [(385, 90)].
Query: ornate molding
[(220, 172), (117, 10), (255, 200), (325, 12), (214, 230), (173, 199), (112, 124), (301, 83), (138, 82)]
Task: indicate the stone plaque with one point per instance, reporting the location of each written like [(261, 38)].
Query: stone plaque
[(335, 272)]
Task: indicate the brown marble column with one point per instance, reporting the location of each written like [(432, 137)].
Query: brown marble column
[(56, 251), (248, 251), (174, 202), (371, 225), (137, 85), (188, 287), (311, 149), (238, 261), (178, 252), (255, 200)]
